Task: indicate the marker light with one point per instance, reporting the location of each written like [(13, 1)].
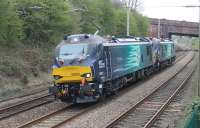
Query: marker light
[(61, 61)]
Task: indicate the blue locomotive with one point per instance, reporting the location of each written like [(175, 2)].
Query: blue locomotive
[(88, 67)]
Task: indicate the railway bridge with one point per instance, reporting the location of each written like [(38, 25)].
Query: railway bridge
[(167, 28)]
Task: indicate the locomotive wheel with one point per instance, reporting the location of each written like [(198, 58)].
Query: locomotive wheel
[(108, 89), (115, 92), (123, 82)]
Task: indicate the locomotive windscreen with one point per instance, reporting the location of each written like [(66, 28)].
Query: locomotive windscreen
[(70, 51), (79, 50)]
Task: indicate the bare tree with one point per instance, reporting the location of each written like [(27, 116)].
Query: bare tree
[(131, 4)]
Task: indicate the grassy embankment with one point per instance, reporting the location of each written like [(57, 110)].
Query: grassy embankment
[(23, 68)]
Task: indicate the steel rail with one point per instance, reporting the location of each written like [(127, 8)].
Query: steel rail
[(55, 113), (73, 117), (19, 104), (14, 109), (169, 100), (38, 120), (124, 114), (179, 58), (32, 92)]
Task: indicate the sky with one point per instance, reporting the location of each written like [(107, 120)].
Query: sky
[(166, 9)]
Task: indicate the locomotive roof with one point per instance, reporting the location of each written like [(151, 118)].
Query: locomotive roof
[(95, 39), (128, 41), (81, 38), (125, 43), (166, 42), (132, 39)]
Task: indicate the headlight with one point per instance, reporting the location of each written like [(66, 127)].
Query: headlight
[(86, 75), (61, 61), (57, 77)]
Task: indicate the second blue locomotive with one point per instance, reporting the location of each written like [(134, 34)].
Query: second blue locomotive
[(88, 67)]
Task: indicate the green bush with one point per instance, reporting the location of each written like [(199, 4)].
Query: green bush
[(45, 22), (10, 67), (10, 23)]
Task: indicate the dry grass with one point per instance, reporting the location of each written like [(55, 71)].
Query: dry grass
[(23, 67)]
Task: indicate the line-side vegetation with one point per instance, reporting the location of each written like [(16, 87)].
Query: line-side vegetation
[(30, 29)]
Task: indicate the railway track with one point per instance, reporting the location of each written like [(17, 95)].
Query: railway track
[(27, 93), (145, 112), (58, 117), (20, 107), (171, 116), (180, 56), (63, 115)]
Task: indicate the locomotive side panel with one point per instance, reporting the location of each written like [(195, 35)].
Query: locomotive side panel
[(168, 51), (126, 59), (101, 67), (146, 53)]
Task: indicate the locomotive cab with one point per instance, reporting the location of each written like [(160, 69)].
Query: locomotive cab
[(73, 69)]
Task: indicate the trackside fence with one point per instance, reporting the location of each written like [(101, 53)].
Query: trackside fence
[(193, 120)]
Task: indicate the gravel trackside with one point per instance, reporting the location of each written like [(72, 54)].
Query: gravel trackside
[(29, 115)]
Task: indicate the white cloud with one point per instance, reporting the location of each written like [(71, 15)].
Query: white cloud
[(167, 9)]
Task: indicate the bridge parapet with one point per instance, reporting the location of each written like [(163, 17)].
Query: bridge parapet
[(173, 27)]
